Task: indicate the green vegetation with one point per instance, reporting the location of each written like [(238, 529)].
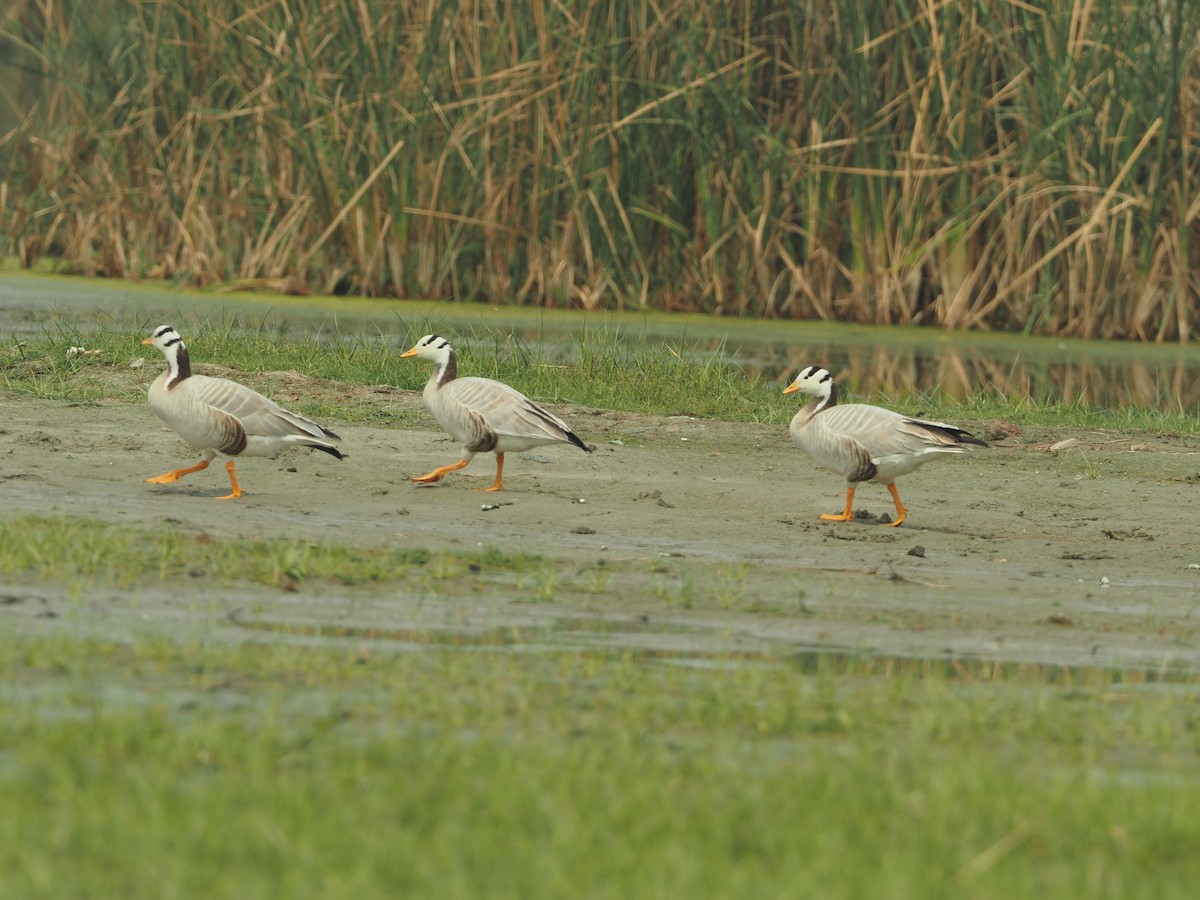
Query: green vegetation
[(603, 368), (231, 761), (84, 555), (1009, 166), (199, 768), (78, 551), (281, 755), (597, 368)]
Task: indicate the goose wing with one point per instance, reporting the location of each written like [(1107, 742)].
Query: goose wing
[(259, 415), (884, 433), (506, 410)]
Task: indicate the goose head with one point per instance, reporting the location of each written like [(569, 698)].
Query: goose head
[(814, 380), (166, 339), (430, 347)]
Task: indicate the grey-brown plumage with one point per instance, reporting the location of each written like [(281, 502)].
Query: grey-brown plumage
[(867, 443), (216, 415), (485, 416)]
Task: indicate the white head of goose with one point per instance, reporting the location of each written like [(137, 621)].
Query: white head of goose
[(866, 443), (482, 414), (217, 415)]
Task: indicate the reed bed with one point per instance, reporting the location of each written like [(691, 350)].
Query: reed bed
[(986, 165)]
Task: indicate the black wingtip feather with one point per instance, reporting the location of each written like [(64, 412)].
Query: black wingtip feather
[(956, 434), (332, 451), (965, 437), (574, 439)]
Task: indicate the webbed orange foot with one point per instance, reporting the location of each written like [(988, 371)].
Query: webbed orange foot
[(837, 517), (845, 515), (439, 473), (175, 474)]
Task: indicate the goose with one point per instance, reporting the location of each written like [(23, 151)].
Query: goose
[(217, 415), (866, 443), (482, 414)]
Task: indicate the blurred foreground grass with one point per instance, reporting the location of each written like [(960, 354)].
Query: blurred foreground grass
[(195, 768), (295, 762)]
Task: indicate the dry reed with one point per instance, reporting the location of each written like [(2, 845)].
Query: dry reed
[(986, 165)]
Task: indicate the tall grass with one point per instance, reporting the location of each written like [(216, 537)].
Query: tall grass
[(990, 165)]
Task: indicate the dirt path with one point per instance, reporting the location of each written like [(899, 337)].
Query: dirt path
[(706, 534)]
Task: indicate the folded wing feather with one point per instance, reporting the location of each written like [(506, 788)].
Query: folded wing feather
[(507, 410), (259, 415)]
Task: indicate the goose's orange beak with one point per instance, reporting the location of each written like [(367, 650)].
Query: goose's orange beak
[(149, 342), (791, 387), (407, 353)]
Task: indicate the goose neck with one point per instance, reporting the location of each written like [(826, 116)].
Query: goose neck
[(825, 401), (179, 365), (447, 370)]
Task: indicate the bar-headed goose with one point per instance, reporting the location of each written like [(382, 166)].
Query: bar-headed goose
[(866, 443), (217, 415), (482, 414)]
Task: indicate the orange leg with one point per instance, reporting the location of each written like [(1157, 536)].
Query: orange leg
[(439, 473), (498, 484), (848, 514), (235, 489), (175, 474), (901, 511)]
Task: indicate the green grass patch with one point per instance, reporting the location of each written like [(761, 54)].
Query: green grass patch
[(200, 769), (81, 552), (601, 367), (84, 555)]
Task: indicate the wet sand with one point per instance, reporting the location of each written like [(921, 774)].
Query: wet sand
[(676, 534)]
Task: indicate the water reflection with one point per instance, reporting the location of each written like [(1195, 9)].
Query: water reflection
[(1098, 375), (1075, 377)]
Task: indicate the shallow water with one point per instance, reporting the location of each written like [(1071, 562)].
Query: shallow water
[(869, 360)]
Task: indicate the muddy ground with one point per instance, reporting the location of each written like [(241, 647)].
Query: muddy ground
[(676, 534)]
